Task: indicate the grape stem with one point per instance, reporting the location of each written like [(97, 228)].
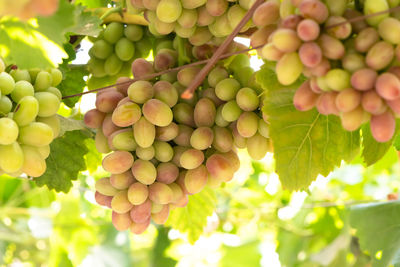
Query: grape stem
[(188, 93), (355, 19), (154, 75)]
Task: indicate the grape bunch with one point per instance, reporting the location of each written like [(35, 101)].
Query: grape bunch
[(29, 102), (116, 47), (201, 21), (161, 148), (352, 67)]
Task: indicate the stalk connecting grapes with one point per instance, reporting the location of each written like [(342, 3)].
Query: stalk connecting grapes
[(162, 148), (352, 67), (29, 102)]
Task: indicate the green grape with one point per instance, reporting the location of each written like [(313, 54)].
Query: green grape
[(186, 75), (169, 10), (184, 134), (238, 62), (247, 124), (231, 111), (389, 30), (374, 6), (184, 32), (227, 88), (221, 26), (380, 55), (337, 79), (104, 187), (286, 9), (22, 88), (201, 36), (178, 150), (33, 73), (238, 140), (336, 7), (167, 133), (263, 128), (44, 151), (118, 162), (289, 68), (124, 49), (7, 83), (28, 109), (122, 181), (55, 92), (53, 122), (286, 40), (247, 99), (144, 132), (133, 32), (177, 193), (257, 146), (101, 49), (340, 32), (34, 165), (204, 113), (192, 4), (166, 92), (123, 140), (56, 76), (2, 65), (96, 67), (235, 15), (157, 112), (101, 142), (36, 134), (11, 157), (126, 114), (43, 81), (5, 105), (162, 27), (140, 91), (48, 104), (167, 172), (210, 94), (216, 75), (112, 65), (202, 138), (121, 221), (188, 18), (144, 171), (137, 193), (113, 32), (191, 159), (163, 151), (223, 140), (353, 61), (244, 75), (21, 75), (219, 120), (184, 114), (120, 202), (8, 131), (145, 153)]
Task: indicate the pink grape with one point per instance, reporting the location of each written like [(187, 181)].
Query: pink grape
[(94, 118), (140, 213), (383, 126), (388, 86), (352, 120), (308, 30), (304, 98), (347, 100), (372, 102), (326, 103), (314, 9), (118, 162), (310, 54), (363, 79)]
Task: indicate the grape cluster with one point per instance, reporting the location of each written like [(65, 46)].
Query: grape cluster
[(202, 21), (29, 102), (116, 47), (163, 148), (351, 67)]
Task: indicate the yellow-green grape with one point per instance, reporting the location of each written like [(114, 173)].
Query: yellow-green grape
[(204, 17), (145, 153), (201, 36), (184, 32), (380, 55), (144, 171), (43, 81), (184, 114), (53, 122), (5, 105), (8, 131), (113, 32), (11, 157), (44, 151), (353, 61), (202, 138), (133, 32), (96, 67), (36, 134), (33, 73), (144, 132), (118, 162), (2, 65), (348, 99), (235, 15), (188, 18), (231, 111), (191, 158), (157, 112), (124, 49), (389, 30), (160, 193), (352, 120), (219, 120), (216, 75), (366, 39), (167, 133), (126, 114), (186, 75), (223, 140), (286, 40), (123, 140), (122, 181), (169, 10), (112, 65), (56, 76), (267, 13), (162, 216), (48, 104), (140, 91), (104, 187), (337, 79), (227, 88), (55, 92), (101, 49), (247, 124), (221, 26), (257, 146), (137, 193), (21, 89), (336, 7), (166, 92), (374, 6), (263, 128), (286, 9), (120, 202), (196, 179), (34, 164), (162, 27), (163, 151), (289, 68), (101, 142), (247, 99), (7, 83), (204, 113)]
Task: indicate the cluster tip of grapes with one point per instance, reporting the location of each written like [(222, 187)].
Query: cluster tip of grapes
[(29, 101), (201, 21), (162, 148), (352, 67)]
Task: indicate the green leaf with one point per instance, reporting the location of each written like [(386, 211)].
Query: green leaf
[(306, 144), (396, 142), (68, 124), (73, 83), (245, 255), (92, 3), (22, 44), (86, 23), (66, 160), (193, 218), (373, 150), (378, 230), (93, 158), (161, 245)]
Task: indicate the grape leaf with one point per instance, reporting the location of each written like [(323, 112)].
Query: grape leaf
[(93, 158), (193, 218), (66, 160), (378, 230), (396, 142), (93, 3), (306, 144), (86, 23), (373, 150), (68, 124), (73, 83)]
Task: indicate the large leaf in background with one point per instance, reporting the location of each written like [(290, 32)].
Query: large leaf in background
[(378, 230), (193, 218), (396, 142), (93, 158), (306, 144), (373, 150), (161, 245), (66, 160)]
